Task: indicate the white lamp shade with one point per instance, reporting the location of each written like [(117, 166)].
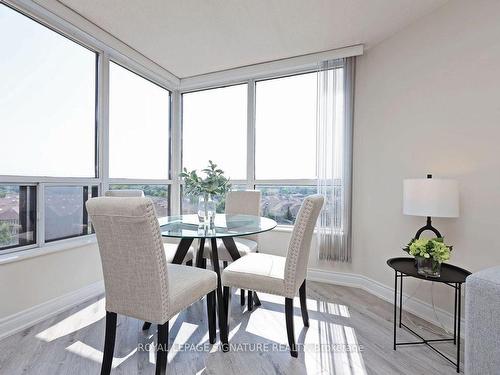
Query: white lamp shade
[(430, 197)]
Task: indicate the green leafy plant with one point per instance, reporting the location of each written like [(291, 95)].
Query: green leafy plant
[(213, 183), (433, 248)]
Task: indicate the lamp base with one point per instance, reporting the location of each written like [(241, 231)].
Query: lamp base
[(428, 226)]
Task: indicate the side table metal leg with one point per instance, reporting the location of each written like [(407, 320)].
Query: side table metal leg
[(455, 317), (458, 324), (395, 303), (400, 298)]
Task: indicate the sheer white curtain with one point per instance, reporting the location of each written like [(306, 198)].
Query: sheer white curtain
[(334, 157)]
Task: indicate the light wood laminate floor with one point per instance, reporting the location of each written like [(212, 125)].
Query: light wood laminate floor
[(350, 333)]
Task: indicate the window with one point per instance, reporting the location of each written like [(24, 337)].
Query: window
[(215, 123), (139, 126), (285, 126), (65, 211), (285, 144), (17, 215), (48, 96), (159, 194), (49, 127), (214, 126), (47, 101)]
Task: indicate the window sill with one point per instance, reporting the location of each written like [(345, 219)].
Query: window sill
[(50, 248)]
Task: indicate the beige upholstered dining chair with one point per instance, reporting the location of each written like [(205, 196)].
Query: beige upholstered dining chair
[(246, 202), (283, 276), (124, 193), (170, 248), (138, 280)]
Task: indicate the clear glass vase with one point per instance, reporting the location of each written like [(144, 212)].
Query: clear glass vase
[(428, 267), (206, 209)]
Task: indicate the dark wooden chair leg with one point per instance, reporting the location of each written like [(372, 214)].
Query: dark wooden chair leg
[(303, 304), (242, 297), (189, 263), (289, 326), (109, 343), (146, 326), (250, 300), (162, 349), (227, 302), (212, 321)]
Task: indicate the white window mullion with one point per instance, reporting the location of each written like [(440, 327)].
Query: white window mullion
[(103, 121), (40, 216), (176, 153), (251, 134)]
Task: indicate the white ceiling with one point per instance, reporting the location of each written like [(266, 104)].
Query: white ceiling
[(192, 37)]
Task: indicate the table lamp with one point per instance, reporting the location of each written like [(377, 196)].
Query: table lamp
[(430, 197)]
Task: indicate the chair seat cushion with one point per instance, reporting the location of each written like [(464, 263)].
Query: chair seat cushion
[(245, 246), (187, 285), (171, 248), (257, 271)]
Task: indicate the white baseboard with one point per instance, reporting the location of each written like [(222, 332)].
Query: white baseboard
[(415, 306), (29, 317)]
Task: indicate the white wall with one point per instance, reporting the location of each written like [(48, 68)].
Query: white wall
[(428, 101), (33, 281)]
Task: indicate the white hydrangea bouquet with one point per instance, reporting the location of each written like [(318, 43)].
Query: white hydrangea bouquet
[(429, 254)]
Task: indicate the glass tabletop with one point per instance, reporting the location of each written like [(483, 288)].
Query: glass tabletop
[(189, 226)]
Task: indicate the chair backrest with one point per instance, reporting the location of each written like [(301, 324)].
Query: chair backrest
[(300, 243), (245, 202), (132, 256), (124, 193)]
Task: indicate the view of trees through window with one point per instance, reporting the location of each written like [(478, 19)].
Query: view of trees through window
[(282, 203), (159, 194), (17, 215)]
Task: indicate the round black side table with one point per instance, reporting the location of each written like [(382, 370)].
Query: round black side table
[(452, 276)]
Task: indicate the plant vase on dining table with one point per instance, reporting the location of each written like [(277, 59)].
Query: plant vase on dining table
[(429, 254), (208, 188)]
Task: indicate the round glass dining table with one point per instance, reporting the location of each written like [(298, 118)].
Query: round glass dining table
[(224, 227)]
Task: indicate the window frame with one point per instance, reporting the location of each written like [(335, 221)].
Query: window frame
[(181, 125), (168, 182), (251, 181), (139, 181), (104, 54)]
